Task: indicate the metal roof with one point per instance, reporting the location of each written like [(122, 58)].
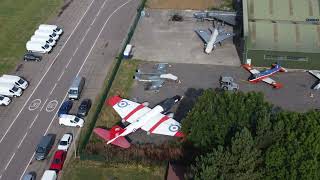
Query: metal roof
[(282, 25)]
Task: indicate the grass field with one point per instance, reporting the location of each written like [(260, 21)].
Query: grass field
[(18, 21), (84, 170)]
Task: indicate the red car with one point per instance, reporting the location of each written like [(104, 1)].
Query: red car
[(58, 160)]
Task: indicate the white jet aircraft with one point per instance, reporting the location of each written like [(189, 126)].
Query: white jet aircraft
[(212, 37), (140, 116)]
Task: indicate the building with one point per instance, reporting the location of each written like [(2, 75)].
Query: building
[(284, 31)]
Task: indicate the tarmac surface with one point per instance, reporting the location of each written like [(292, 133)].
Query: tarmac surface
[(93, 33), (159, 39), (296, 95)]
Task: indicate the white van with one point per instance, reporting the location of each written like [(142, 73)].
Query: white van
[(48, 33), (55, 28), (38, 47), (48, 40), (49, 175), (4, 100), (18, 81), (7, 89)]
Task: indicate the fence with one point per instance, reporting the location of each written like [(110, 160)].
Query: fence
[(100, 102)]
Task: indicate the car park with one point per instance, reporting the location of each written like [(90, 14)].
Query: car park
[(65, 107), (29, 176), (49, 175), (4, 100), (70, 120), (44, 146), (84, 108), (16, 80), (58, 160), (47, 40), (54, 28), (10, 90), (47, 33), (31, 57), (65, 142)]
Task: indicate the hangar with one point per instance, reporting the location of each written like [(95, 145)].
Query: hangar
[(284, 31)]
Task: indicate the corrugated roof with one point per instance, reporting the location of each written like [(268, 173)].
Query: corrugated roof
[(282, 25)]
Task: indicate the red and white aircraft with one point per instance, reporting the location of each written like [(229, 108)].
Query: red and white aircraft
[(142, 117), (257, 76)]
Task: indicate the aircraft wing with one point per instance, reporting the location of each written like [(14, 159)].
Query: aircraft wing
[(250, 69), (223, 36), (272, 82), (128, 110), (204, 35), (163, 124)]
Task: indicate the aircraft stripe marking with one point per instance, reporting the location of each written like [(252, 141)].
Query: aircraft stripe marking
[(133, 111), (164, 118)]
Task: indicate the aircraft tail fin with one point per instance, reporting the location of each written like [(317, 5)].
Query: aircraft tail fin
[(116, 131), (112, 137)]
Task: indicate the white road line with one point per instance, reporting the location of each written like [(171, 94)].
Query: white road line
[(22, 139), (33, 121), (43, 104), (9, 161), (55, 84), (77, 75), (45, 73), (26, 166), (61, 75)]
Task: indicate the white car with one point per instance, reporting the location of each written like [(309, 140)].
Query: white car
[(4, 100), (65, 142), (70, 120)]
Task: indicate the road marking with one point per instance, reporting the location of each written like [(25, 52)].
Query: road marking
[(34, 104), (45, 74), (55, 84), (52, 105), (76, 75), (43, 104), (9, 161), (61, 75), (33, 121), (22, 139)]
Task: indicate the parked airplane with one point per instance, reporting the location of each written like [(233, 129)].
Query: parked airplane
[(229, 17), (154, 121), (257, 76), (213, 37), (317, 75)]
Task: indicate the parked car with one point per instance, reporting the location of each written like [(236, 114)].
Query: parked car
[(4, 100), (39, 47), (65, 107), (46, 39), (84, 108), (58, 160), (31, 57), (16, 80), (49, 175), (54, 28), (11, 90), (44, 146), (30, 176), (47, 33), (65, 142), (76, 88), (70, 120)]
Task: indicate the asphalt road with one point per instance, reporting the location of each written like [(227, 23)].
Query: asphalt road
[(34, 119)]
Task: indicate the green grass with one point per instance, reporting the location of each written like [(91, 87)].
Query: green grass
[(18, 20), (84, 170)]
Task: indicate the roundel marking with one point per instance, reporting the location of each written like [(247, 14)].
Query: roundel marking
[(123, 104), (174, 128)]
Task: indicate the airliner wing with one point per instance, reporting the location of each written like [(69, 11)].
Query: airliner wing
[(223, 36), (162, 124), (128, 110), (272, 82), (204, 35), (250, 69)]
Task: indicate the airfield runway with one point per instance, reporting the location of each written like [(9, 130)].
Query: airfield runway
[(19, 135)]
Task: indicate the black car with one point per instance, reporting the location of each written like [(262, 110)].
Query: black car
[(84, 108), (32, 57), (30, 176), (65, 107)]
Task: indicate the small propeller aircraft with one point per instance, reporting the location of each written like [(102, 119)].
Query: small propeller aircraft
[(257, 76), (154, 121)]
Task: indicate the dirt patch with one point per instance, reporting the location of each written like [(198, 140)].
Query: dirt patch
[(184, 4)]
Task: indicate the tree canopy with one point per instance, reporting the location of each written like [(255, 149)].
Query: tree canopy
[(241, 136)]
